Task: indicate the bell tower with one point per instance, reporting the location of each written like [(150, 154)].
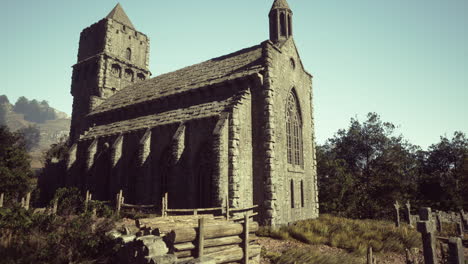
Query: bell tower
[(280, 21), (112, 54)]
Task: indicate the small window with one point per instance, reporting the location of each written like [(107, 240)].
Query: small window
[(141, 76), (292, 193), (128, 54), (116, 70), (293, 63), (302, 193), (128, 75), (289, 25)]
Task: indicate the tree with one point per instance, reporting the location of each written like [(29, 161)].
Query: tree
[(444, 183), (16, 177), (363, 169), (31, 136)]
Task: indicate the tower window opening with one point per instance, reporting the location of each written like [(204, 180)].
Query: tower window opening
[(292, 193), (128, 54), (128, 75), (289, 26), (283, 24)]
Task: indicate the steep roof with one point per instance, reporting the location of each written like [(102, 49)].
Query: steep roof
[(169, 117), (280, 4), (118, 14), (236, 65)]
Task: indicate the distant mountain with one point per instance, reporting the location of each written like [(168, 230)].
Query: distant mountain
[(52, 124)]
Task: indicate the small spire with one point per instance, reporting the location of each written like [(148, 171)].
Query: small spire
[(280, 4), (118, 14)]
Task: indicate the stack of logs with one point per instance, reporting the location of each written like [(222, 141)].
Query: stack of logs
[(191, 238)]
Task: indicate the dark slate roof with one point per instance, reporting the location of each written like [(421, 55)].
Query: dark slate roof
[(236, 65), (169, 117), (118, 14), (280, 4)]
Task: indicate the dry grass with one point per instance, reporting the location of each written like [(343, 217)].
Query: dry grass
[(305, 256), (355, 236)]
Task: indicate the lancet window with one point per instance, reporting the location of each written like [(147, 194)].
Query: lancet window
[(294, 131)]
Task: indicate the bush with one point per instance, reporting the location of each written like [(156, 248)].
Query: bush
[(39, 238)]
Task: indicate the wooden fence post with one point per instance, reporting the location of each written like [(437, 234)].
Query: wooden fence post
[(166, 203), (397, 214), (245, 237), (370, 256), (201, 236), (439, 222), (54, 208), (227, 208), (86, 200), (27, 201), (456, 255), (118, 202), (2, 195), (427, 229)]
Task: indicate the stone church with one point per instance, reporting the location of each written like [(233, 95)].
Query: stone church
[(238, 128)]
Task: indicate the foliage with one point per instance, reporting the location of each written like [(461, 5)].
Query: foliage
[(16, 177), (31, 136), (365, 168), (444, 178), (362, 170), (34, 111), (39, 238), (355, 236), (70, 201), (57, 151)]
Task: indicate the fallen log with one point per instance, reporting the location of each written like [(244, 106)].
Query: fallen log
[(189, 234), (214, 242), (189, 253), (158, 222)]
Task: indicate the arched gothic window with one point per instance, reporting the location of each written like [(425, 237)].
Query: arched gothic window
[(294, 130), (128, 54)]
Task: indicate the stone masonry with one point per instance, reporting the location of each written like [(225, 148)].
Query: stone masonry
[(236, 128)]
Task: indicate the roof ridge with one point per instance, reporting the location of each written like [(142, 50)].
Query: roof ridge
[(119, 15)]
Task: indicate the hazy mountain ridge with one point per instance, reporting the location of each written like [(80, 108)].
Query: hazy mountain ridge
[(51, 130)]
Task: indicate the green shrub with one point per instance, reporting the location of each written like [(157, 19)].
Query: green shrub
[(26, 237)]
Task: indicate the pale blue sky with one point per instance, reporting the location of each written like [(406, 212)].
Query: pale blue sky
[(406, 60)]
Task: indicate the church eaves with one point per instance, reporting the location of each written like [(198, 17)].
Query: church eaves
[(118, 14)]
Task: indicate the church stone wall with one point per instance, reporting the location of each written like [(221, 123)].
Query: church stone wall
[(286, 73), (120, 37), (241, 155)]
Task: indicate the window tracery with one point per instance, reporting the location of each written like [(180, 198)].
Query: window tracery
[(294, 131)]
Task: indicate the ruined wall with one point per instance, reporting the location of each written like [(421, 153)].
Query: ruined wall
[(294, 188)]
